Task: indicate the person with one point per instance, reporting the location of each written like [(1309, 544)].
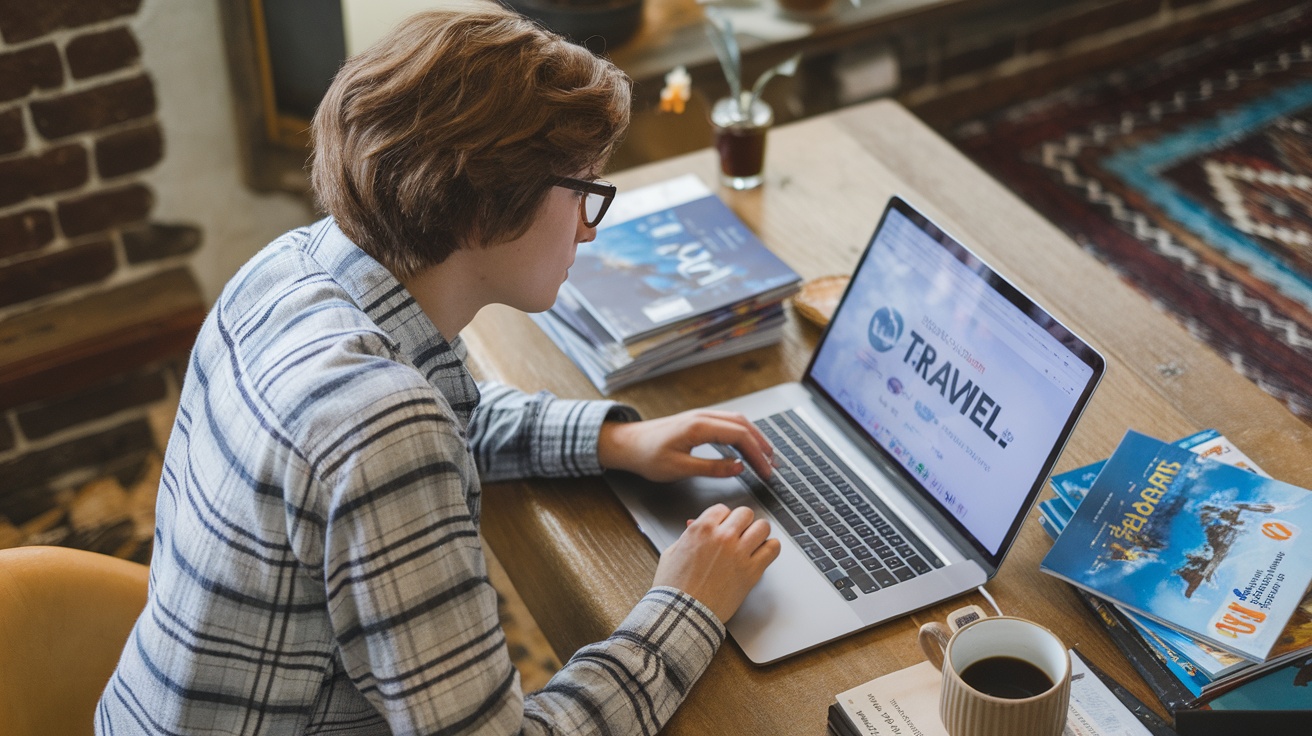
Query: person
[(317, 565)]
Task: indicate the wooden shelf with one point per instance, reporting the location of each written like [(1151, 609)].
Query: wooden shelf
[(71, 346)]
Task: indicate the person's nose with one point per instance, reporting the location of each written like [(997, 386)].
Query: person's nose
[(586, 234)]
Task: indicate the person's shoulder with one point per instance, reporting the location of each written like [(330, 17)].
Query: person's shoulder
[(283, 307), (351, 391), (304, 347), (281, 277)]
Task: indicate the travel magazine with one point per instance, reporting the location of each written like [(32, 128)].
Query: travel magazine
[(674, 278), (1183, 671), (1197, 545), (1192, 655)]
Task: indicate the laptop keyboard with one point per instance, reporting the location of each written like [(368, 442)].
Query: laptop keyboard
[(848, 534)]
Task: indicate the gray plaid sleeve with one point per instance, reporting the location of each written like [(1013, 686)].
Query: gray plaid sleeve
[(518, 435), (638, 676)]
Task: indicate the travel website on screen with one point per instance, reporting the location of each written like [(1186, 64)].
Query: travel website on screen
[(959, 386)]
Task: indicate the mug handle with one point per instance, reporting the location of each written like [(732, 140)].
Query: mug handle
[(934, 638)]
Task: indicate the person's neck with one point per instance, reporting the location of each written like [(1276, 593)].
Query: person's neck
[(450, 293)]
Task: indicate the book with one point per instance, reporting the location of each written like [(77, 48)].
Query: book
[(673, 279), (907, 702), (1197, 545), (900, 702)]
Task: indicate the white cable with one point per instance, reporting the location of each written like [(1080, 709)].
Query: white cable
[(989, 598)]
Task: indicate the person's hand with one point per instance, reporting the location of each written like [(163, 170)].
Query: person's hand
[(660, 449), (718, 558)]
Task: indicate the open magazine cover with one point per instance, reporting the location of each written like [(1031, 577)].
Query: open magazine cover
[(667, 253), (1198, 545)]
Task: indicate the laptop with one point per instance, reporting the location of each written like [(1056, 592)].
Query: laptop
[(932, 411)]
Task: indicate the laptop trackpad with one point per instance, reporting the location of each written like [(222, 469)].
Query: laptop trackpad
[(792, 608), (663, 509)]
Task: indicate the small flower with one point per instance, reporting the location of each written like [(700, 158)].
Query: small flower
[(719, 29), (677, 90)]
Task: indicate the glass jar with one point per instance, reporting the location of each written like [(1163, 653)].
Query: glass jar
[(740, 141)]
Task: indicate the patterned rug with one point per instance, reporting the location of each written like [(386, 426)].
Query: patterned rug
[(1191, 176)]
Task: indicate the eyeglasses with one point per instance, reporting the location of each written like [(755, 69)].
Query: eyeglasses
[(597, 196)]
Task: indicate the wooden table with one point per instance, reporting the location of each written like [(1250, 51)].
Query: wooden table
[(579, 562)]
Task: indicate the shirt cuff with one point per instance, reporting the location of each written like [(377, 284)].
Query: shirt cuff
[(582, 421), (687, 632)]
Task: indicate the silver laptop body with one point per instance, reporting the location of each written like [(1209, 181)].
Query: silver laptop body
[(939, 397)]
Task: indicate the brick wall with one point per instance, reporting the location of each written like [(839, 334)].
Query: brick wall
[(78, 129)]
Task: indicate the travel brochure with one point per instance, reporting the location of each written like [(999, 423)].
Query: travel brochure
[(1184, 669), (674, 278)]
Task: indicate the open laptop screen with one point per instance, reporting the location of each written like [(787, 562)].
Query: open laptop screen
[(962, 381)]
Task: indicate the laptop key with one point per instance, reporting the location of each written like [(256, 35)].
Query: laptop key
[(847, 563), (918, 564), (883, 577), (842, 583), (813, 551), (824, 563), (864, 582), (904, 573), (827, 542), (838, 553), (787, 522), (861, 553)]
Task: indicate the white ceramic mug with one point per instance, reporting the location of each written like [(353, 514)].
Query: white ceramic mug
[(965, 710)]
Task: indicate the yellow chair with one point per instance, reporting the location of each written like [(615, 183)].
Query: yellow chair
[(65, 615)]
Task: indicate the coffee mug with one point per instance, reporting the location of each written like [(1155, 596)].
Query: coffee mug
[(1002, 676)]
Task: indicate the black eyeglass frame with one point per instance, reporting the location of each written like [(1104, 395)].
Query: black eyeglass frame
[(604, 189)]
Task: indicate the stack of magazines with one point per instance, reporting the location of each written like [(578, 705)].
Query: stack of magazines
[(673, 279), (1193, 560)]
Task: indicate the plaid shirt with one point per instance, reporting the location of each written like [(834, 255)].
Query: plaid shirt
[(317, 565)]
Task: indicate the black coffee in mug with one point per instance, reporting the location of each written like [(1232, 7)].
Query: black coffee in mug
[(1006, 677)]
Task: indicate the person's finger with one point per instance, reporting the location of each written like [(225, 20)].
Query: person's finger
[(713, 515), (757, 435), (767, 553), (762, 460), (741, 434), (737, 521), (685, 466), (756, 534)]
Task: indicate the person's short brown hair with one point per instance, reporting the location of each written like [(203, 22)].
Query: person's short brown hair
[(448, 131)]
